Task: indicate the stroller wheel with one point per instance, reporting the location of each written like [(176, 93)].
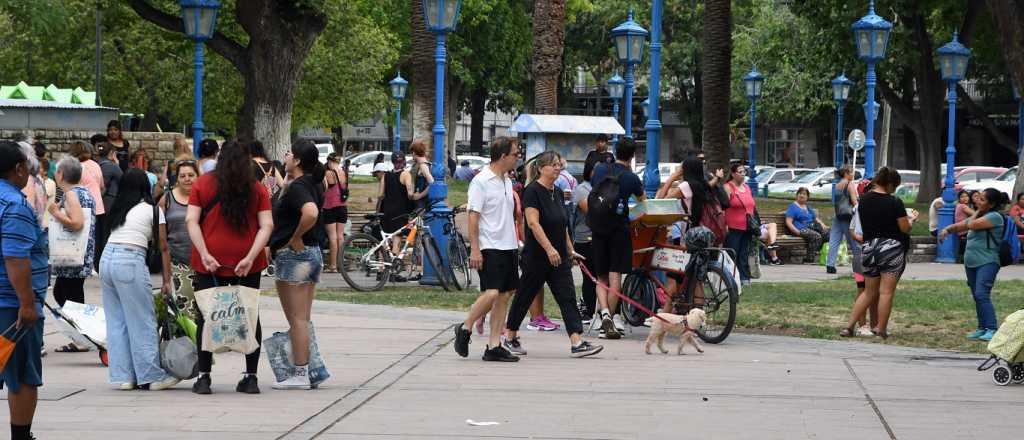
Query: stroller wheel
[(1001, 375), (1018, 373), (104, 358)]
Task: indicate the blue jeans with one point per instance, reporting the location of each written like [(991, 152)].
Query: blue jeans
[(980, 279), (132, 341), (739, 241), (840, 231)]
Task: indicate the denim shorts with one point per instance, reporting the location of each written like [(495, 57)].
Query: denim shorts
[(299, 267), (25, 366)]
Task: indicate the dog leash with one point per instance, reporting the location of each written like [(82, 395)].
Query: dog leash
[(623, 297)]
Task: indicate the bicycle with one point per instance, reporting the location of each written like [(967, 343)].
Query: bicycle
[(458, 252), (368, 262)]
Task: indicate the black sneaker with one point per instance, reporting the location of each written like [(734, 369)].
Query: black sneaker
[(585, 349), (499, 354), (202, 385), (248, 385), (830, 269), (462, 340), (608, 328), (513, 345)]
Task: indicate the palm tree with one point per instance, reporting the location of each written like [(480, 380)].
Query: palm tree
[(717, 78), (422, 74), (548, 45)]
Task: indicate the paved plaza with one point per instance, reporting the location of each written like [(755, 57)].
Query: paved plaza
[(395, 376)]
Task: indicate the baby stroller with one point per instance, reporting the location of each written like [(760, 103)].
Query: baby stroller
[(1007, 346), (85, 324)]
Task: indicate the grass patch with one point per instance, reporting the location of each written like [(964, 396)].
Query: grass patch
[(932, 314)]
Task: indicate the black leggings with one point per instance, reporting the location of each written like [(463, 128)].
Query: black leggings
[(532, 282), (589, 288), (69, 289), (206, 281)]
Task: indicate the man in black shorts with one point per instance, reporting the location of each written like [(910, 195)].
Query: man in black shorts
[(613, 251), (493, 248)]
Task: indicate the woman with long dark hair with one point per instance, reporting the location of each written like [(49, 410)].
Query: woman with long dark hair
[(127, 298), (981, 258), (230, 222), (298, 233), (116, 138)]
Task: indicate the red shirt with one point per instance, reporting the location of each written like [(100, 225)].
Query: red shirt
[(227, 244)]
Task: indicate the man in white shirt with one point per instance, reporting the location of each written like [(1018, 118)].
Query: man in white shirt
[(493, 248)]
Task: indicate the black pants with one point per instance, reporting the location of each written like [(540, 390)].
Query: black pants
[(206, 281), (102, 233), (589, 288), (69, 289), (559, 280)]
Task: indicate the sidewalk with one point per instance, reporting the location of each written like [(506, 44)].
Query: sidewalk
[(395, 376)]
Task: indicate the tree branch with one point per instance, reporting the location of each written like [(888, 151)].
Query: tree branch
[(220, 43), (910, 118), (974, 8), (979, 113)]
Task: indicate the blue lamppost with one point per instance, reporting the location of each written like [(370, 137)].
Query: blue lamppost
[(652, 177), (953, 58), (440, 17), (1020, 120), (398, 87), (616, 87), (871, 35), (840, 93), (200, 19), (752, 83), (629, 46)]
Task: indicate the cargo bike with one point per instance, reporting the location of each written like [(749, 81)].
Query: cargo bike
[(709, 277)]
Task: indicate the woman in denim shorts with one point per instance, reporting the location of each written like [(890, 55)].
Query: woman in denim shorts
[(296, 241)]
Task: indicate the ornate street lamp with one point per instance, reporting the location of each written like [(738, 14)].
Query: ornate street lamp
[(840, 93), (398, 87), (752, 83), (200, 17), (871, 36), (616, 87), (629, 46), (441, 17), (953, 58), (652, 179)]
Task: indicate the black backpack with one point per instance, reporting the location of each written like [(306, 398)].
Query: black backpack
[(603, 205)]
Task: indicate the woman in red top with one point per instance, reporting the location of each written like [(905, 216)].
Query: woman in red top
[(741, 203), (229, 221)]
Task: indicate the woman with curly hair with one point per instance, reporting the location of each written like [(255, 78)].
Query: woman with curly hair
[(229, 221)]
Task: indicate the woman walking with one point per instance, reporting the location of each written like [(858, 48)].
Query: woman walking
[(295, 243), (844, 197), (70, 281), (885, 247), (802, 220), (335, 211), (741, 205), (547, 258), (981, 258), (229, 222), (127, 289), (420, 174)]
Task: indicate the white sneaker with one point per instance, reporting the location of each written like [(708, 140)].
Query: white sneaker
[(127, 386), (649, 321), (595, 324), (170, 381), (298, 381), (865, 331), (619, 325)]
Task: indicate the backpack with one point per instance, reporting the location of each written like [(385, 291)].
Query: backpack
[(603, 205), (1009, 245), (713, 218)]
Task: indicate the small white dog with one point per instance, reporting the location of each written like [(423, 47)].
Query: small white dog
[(685, 327)]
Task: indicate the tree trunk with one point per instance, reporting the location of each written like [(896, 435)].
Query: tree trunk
[(476, 130), (548, 45), (717, 78), (1009, 18), (422, 78)]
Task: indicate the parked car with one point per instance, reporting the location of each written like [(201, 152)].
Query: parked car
[(818, 182), (362, 163), (972, 174), (1003, 183), (324, 150), (665, 170), (772, 175), (475, 162)]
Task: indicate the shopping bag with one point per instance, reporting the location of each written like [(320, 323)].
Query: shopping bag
[(843, 256), (8, 340), (823, 255), (86, 323), (179, 357), (230, 313), (279, 353), (67, 247)]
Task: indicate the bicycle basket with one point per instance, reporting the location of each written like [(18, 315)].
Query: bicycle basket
[(698, 238)]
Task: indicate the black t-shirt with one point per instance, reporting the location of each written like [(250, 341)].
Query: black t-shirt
[(597, 157), (552, 219), (288, 212), (124, 155), (879, 215)]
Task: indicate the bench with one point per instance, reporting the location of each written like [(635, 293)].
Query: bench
[(792, 248)]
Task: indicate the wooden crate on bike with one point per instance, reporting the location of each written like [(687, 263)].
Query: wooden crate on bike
[(649, 227)]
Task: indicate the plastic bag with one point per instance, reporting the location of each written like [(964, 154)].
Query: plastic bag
[(179, 357), (842, 256), (67, 247), (279, 353), (230, 313)]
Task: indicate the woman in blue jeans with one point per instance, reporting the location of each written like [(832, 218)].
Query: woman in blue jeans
[(132, 341), (981, 257), (843, 193)]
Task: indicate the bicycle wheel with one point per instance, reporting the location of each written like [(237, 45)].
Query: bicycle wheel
[(638, 288), (433, 254), (458, 259), (363, 263), (720, 296)]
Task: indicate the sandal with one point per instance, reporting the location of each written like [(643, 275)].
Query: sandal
[(71, 348)]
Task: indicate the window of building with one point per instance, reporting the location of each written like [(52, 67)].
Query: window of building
[(785, 148)]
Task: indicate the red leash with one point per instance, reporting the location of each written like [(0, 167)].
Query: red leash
[(623, 297)]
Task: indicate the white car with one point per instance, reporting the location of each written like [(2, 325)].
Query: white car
[(362, 164), (665, 170), (773, 176), (1003, 183), (324, 150), (818, 182), (475, 162)]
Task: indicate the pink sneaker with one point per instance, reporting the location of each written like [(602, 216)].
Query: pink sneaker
[(480, 325), (543, 324)]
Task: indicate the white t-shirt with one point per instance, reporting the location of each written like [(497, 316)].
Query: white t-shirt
[(933, 214), (137, 229), (492, 197)]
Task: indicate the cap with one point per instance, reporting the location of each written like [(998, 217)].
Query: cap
[(381, 168)]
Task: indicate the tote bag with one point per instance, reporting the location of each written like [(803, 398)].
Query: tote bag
[(230, 313), (67, 247)]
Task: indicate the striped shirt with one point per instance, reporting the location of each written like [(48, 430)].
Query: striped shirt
[(21, 237)]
